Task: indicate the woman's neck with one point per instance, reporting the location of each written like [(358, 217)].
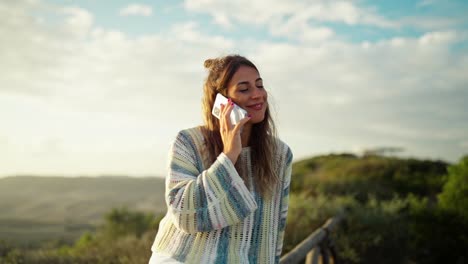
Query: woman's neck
[(245, 134)]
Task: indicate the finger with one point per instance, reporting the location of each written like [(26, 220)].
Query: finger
[(223, 108), (224, 118), (227, 114), (241, 123), (227, 106)]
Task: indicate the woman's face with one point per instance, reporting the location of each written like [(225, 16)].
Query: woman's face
[(246, 90)]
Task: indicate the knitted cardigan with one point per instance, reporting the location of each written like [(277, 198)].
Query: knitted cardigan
[(213, 216)]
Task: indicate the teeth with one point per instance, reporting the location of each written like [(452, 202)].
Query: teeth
[(256, 105)]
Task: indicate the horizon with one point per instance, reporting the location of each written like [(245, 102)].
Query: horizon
[(94, 88), (161, 176)]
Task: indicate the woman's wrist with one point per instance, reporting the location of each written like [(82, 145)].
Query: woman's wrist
[(232, 156)]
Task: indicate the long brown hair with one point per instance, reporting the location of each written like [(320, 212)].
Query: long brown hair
[(263, 135)]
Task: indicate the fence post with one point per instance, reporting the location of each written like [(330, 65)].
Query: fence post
[(325, 255), (314, 240), (313, 256)]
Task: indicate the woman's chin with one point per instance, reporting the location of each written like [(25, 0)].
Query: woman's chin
[(256, 119)]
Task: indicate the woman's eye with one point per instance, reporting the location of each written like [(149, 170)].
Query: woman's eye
[(260, 86), (243, 90)]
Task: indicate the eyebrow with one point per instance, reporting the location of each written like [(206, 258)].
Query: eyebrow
[(246, 82)]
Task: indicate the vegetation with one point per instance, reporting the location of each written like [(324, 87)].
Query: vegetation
[(125, 237), (397, 211), (454, 198)]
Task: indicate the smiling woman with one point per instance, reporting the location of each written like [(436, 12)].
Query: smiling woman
[(227, 189)]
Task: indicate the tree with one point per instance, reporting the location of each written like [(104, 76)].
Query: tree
[(454, 196), (122, 222)]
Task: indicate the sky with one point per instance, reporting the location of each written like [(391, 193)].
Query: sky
[(92, 88)]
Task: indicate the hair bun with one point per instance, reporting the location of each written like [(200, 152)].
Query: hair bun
[(209, 63)]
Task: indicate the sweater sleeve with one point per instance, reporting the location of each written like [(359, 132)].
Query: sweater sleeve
[(286, 171), (201, 201)]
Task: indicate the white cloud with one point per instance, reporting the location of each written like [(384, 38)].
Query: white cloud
[(298, 28), (136, 10), (349, 13), (223, 20), (272, 13), (438, 37), (429, 23), (426, 3), (408, 131), (78, 21), (279, 15)]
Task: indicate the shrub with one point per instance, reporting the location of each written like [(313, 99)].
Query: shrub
[(454, 197)]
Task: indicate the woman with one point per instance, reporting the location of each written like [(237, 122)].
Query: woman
[(228, 186)]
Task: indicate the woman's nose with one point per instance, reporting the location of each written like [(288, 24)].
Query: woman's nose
[(257, 92)]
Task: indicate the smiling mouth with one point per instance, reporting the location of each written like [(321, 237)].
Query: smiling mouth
[(256, 106)]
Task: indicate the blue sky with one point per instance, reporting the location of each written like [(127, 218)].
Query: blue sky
[(166, 13), (100, 88)]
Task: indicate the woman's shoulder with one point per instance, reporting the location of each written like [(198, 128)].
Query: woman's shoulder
[(192, 135), (283, 151), (191, 131)]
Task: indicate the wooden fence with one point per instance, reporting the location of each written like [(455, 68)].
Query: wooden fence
[(317, 245)]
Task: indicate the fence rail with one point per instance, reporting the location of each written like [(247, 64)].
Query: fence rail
[(317, 245)]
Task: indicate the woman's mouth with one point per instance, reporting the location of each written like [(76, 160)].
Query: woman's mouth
[(257, 107)]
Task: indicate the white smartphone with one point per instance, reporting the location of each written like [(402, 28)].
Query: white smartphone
[(237, 113)]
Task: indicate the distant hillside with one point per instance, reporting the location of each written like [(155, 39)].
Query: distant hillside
[(81, 200), (48, 207), (373, 175)]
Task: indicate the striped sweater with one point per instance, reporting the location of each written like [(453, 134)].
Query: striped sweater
[(213, 217)]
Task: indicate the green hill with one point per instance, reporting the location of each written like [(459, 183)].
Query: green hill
[(362, 177)]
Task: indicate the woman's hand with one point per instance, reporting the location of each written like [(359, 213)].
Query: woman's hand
[(231, 134)]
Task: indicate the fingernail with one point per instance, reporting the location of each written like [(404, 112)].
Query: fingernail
[(232, 103), (229, 99), (249, 115)]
